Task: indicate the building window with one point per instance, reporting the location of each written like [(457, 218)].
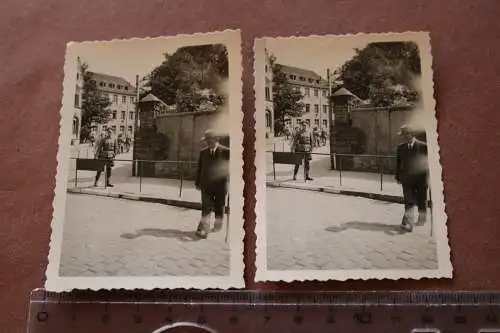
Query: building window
[(324, 93), (302, 78), (308, 93), (113, 128), (308, 122), (114, 114), (76, 124), (93, 82), (310, 80), (131, 115), (122, 129), (325, 123), (268, 94), (123, 115), (126, 88), (317, 81), (316, 108), (315, 91), (130, 130), (124, 99), (77, 100), (104, 128), (120, 87), (316, 122), (115, 98), (325, 109), (308, 107), (269, 119), (132, 99), (111, 85)]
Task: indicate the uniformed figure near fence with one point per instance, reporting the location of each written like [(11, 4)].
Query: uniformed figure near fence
[(212, 179), (412, 174), (106, 150), (302, 143)]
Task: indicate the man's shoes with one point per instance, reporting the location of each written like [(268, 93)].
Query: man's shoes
[(407, 227), (422, 218), (217, 226), (95, 184), (110, 185), (201, 234), (309, 178), (294, 177)]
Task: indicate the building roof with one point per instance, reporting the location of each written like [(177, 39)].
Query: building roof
[(113, 84), (152, 98), (307, 74), (344, 92)]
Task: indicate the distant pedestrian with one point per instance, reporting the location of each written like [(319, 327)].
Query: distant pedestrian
[(211, 179), (412, 174), (324, 136), (106, 150), (302, 143), (316, 136)]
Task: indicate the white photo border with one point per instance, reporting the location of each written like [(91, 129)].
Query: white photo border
[(445, 269), (54, 282)]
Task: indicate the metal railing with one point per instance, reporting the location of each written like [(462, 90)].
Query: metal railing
[(342, 162), (180, 171)]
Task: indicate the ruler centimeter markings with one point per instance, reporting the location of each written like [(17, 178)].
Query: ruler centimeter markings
[(263, 312)]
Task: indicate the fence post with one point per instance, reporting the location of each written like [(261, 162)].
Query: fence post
[(140, 165), (340, 169), (76, 173), (381, 168), (182, 179)]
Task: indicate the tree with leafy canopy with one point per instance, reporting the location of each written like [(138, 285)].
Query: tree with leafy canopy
[(191, 77), (94, 105), (383, 72), (287, 101)]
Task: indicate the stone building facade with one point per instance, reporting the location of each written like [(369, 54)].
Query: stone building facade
[(314, 90), (122, 96)]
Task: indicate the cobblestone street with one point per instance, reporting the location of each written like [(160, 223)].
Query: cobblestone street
[(114, 237), (322, 231)]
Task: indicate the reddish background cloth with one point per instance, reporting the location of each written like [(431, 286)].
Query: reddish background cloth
[(465, 41)]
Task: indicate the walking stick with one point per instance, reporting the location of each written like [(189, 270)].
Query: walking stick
[(227, 220), (432, 217)]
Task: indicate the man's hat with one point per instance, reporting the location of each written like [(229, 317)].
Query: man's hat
[(405, 129), (209, 134)]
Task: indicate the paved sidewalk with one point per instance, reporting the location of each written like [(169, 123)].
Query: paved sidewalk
[(110, 237), (318, 231)]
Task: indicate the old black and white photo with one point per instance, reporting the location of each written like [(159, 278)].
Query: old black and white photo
[(348, 175), (149, 191)]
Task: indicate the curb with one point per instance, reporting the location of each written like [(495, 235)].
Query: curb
[(332, 190), (135, 197)]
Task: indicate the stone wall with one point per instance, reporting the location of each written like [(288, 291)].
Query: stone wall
[(380, 127)]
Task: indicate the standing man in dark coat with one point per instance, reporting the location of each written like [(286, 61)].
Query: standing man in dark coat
[(212, 179), (106, 151), (412, 174), (302, 143)]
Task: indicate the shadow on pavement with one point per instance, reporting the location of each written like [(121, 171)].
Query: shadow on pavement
[(388, 229), (183, 236)]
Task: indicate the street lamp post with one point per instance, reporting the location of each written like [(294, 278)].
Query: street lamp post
[(330, 120), (136, 125)]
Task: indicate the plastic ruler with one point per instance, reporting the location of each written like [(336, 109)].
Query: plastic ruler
[(187, 311)]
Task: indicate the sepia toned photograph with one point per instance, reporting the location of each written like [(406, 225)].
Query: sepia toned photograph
[(149, 189), (348, 176)]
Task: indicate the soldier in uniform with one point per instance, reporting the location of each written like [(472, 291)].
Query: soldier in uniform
[(302, 143), (412, 174), (106, 150), (211, 179)]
